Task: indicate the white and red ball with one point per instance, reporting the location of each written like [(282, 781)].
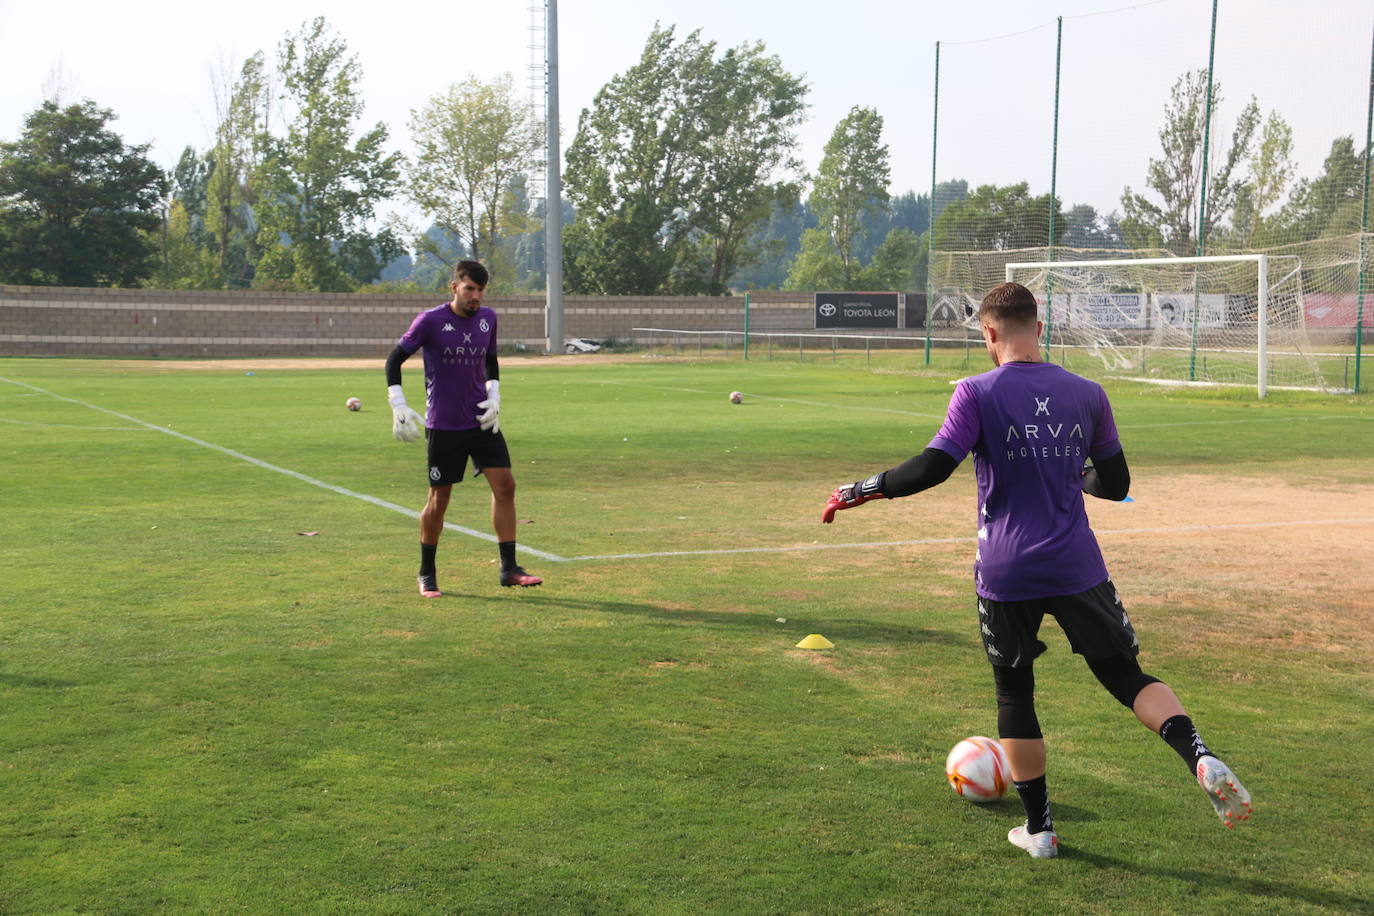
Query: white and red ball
[(736, 397), (353, 404), (977, 769)]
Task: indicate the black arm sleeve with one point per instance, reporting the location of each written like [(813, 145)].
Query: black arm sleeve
[(922, 472), (1109, 479), (493, 367), (393, 366)]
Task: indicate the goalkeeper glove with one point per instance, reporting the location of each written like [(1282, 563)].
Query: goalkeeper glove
[(853, 494), (406, 424), (490, 418)]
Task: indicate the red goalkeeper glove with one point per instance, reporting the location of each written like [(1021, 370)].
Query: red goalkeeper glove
[(853, 494)]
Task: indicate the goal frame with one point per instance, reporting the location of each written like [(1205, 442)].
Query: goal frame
[(1261, 262)]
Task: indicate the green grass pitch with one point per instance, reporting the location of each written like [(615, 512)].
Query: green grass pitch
[(219, 691)]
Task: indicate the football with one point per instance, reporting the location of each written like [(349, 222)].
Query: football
[(353, 404), (977, 769), (736, 397)]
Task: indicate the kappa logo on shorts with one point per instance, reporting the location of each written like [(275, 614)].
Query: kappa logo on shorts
[(434, 474)]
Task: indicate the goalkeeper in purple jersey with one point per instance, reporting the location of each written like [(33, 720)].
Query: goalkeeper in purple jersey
[(462, 418), (1032, 427)]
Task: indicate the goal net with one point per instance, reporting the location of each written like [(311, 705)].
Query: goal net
[(1230, 320)]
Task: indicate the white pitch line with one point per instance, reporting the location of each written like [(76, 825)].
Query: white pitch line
[(303, 478), (869, 545)]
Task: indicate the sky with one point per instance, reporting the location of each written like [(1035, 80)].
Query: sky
[(155, 64)]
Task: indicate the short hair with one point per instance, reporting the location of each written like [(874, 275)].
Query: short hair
[(472, 270), (1010, 303)]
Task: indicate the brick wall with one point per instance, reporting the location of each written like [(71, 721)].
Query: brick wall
[(61, 321)]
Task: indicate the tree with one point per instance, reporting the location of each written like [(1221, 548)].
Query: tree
[(995, 218), (1084, 227), (1329, 204), (775, 244), (817, 265), (1271, 168), (750, 110), (853, 177), (317, 187), (894, 262), (472, 140), (77, 207), (243, 113), (1177, 177), (676, 164)]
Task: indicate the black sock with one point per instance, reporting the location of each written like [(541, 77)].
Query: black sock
[(507, 554), (1178, 732), (1035, 798), (427, 552)]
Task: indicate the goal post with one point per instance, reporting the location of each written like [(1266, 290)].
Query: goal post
[(1160, 316)]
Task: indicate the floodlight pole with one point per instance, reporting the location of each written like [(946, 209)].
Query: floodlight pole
[(553, 192)]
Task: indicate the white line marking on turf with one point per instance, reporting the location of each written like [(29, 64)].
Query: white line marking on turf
[(869, 545), (342, 491)]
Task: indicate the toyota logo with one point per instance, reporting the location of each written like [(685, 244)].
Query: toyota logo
[(828, 309)]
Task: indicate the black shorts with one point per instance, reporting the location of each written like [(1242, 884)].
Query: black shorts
[(1094, 621), (449, 450)]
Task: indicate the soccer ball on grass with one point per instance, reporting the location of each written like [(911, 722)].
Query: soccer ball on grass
[(353, 404), (736, 397), (977, 769)]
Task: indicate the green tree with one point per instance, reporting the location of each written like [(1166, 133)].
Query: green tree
[(243, 110), (817, 265), (1084, 227), (676, 164), (317, 187), (1329, 204), (853, 178), (995, 218), (894, 264), (77, 206), (182, 260), (1271, 168), (472, 141), (1176, 178)]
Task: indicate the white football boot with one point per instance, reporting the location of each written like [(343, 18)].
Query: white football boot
[(1224, 790), (1042, 845)]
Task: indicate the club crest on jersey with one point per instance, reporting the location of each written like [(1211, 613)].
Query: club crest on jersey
[(484, 326)]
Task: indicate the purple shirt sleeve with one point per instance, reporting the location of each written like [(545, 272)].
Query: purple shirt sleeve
[(1106, 440), (962, 425)]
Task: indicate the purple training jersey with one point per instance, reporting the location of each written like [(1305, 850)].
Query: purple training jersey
[(455, 363), (1031, 427)]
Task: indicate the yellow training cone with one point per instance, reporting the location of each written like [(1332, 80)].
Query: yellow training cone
[(815, 641)]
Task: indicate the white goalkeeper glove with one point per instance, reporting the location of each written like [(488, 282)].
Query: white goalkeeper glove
[(406, 424), (490, 418)]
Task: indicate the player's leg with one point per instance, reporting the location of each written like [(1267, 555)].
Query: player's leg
[(1099, 629), (1009, 630), (431, 526), (1018, 728), (446, 459), (491, 453)]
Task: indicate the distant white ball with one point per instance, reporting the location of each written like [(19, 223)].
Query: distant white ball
[(736, 397), (977, 769), (353, 404)]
